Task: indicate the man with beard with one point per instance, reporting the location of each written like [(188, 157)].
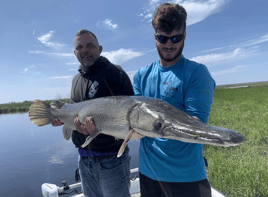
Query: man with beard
[(169, 167), (102, 173)]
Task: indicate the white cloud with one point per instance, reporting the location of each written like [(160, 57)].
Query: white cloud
[(54, 54), (62, 77), (214, 58), (75, 63), (154, 2), (248, 45), (210, 50), (37, 46), (26, 69), (147, 16), (44, 39), (107, 23), (228, 71), (121, 55), (262, 39), (197, 10)]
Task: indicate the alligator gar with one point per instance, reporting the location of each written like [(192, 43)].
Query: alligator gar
[(149, 117)]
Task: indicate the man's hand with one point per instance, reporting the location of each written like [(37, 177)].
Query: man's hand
[(57, 122), (88, 128)]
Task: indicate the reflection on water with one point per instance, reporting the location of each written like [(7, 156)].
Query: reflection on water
[(31, 156), (61, 150)]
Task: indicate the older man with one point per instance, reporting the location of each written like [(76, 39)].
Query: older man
[(102, 173)]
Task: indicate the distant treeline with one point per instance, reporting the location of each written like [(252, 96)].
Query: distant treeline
[(20, 107), (25, 106), (243, 85)]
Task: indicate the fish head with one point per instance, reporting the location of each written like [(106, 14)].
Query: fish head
[(156, 118), (147, 121), (160, 119)]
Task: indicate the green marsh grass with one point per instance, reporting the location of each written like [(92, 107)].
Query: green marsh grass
[(240, 171), (20, 107)]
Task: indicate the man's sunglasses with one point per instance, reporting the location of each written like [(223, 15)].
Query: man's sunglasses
[(174, 39)]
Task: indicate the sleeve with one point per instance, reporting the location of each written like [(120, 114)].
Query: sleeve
[(72, 90), (136, 84), (78, 90), (199, 93)]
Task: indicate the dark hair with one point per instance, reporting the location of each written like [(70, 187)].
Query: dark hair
[(168, 17), (85, 31)]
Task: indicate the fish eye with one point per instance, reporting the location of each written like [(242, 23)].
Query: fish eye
[(157, 125)]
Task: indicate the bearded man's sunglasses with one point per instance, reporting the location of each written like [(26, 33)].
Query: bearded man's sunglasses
[(164, 39)]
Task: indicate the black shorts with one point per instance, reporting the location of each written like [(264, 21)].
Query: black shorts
[(152, 188)]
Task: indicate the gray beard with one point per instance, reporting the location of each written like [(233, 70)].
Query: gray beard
[(175, 56), (86, 64)]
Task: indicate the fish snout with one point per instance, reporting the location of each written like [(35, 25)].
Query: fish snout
[(235, 137), (227, 136)]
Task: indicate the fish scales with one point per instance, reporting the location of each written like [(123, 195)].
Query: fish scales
[(109, 114)]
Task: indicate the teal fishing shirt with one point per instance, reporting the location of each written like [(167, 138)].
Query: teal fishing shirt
[(188, 86)]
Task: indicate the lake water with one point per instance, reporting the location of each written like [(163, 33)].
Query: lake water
[(31, 156)]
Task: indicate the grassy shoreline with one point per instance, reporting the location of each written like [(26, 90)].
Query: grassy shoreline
[(22, 107)]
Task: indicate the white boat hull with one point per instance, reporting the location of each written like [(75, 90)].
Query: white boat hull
[(52, 190)]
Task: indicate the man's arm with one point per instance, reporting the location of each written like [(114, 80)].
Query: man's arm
[(199, 94)]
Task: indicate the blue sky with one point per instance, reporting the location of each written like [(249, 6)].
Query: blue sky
[(37, 61)]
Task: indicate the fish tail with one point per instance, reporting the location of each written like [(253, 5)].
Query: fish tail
[(40, 113)]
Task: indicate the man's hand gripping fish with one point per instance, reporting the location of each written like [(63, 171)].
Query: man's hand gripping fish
[(149, 117)]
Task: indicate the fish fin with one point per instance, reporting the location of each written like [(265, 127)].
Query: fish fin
[(124, 144), (57, 104), (136, 136), (40, 113), (67, 132), (90, 138)]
